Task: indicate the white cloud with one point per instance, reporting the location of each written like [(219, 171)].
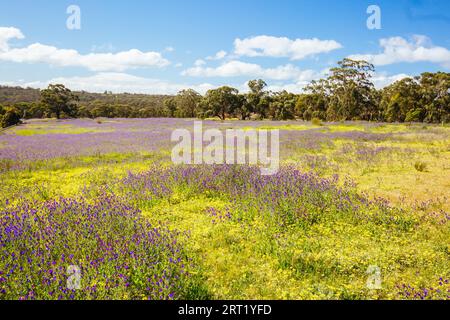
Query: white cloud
[(289, 87), (243, 69), (398, 49), (123, 82), (117, 83), (268, 46), (40, 53), (7, 34), (380, 81), (218, 56), (169, 49), (199, 62)]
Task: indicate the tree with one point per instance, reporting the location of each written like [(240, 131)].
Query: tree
[(351, 90), (102, 109), (282, 106), (221, 102), (243, 109), (187, 102), (257, 99), (401, 101), (84, 112), (170, 107), (435, 94), (425, 98), (59, 100), (315, 102), (346, 94), (10, 117)]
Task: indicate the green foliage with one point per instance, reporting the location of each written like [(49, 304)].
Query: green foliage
[(348, 93), (187, 103), (27, 100), (59, 100), (170, 107), (316, 121), (400, 98), (435, 96), (282, 106), (420, 166), (257, 99), (221, 102)]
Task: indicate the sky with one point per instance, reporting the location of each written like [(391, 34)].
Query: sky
[(161, 47)]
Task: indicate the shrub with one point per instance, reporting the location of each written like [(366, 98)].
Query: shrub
[(316, 122), (420, 166)]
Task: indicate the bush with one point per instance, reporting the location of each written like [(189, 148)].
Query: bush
[(420, 166), (10, 118), (316, 122)]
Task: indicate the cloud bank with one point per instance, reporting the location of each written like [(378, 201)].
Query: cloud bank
[(118, 83), (269, 46), (41, 53), (237, 68), (398, 49)]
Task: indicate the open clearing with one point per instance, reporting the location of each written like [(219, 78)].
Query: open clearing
[(349, 197)]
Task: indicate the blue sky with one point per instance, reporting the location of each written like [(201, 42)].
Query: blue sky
[(164, 46)]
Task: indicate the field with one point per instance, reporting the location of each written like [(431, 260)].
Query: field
[(357, 210)]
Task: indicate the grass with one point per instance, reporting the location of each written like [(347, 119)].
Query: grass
[(264, 250), (63, 130)]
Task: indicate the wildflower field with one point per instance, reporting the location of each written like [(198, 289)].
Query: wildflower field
[(103, 195)]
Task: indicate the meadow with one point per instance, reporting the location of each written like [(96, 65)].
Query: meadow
[(349, 198)]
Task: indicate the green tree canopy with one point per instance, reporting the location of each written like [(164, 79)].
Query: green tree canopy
[(257, 99), (187, 103), (352, 91), (401, 100), (10, 117), (59, 100), (221, 102)]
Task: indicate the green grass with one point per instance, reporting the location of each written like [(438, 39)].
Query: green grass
[(63, 130), (253, 259)]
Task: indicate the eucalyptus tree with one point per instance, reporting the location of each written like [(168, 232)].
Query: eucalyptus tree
[(351, 91), (401, 101), (59, 100), (221, 102), (187, 103), (257, 99), (435, 94)]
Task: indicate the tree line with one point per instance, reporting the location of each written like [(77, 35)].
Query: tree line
[(347, 93)]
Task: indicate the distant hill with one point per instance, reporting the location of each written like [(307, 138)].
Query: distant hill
[(13, 95)]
